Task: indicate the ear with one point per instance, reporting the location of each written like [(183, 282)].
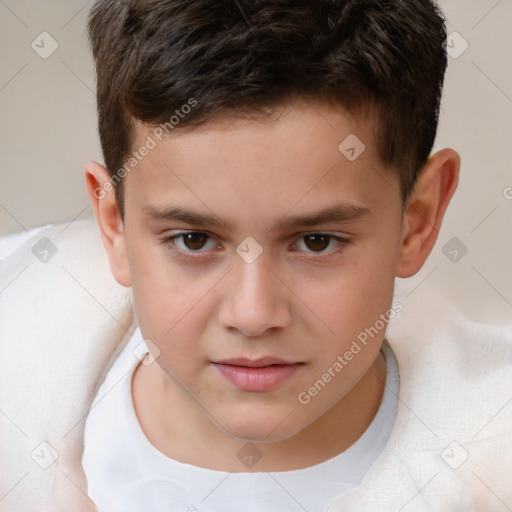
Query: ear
[(425, 210), (102, 195)]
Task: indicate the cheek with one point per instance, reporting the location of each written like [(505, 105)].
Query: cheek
[(348, 306), (350, 296), (161, 295), (171, 306)]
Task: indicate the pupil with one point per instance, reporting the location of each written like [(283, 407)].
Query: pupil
[(193, 238), (323, 243)]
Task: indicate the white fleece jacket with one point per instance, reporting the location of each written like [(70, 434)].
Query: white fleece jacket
[(64, 320)]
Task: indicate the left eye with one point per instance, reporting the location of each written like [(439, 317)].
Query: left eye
[(318, 242)]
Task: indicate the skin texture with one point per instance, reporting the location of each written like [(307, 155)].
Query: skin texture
[(302, 302)]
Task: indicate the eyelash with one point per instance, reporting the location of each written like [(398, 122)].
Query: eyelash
[(340, 247)]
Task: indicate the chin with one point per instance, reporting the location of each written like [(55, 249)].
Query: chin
[(257, 428)]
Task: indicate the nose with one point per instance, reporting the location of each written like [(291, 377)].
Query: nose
[(256, 300)]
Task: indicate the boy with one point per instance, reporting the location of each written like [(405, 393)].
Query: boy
[(267, 176)]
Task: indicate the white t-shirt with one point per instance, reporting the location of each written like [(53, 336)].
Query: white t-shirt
[(126, 473)]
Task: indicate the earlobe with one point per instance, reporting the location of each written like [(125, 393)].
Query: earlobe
[(106, 210), (425, 210)]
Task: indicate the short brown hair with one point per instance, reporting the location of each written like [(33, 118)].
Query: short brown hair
[(249, 56)]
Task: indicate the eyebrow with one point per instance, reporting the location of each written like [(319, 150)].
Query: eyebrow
[(334, 214)]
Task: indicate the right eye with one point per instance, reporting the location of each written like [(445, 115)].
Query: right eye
[(191, 241)]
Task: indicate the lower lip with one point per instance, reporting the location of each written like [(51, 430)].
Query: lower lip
[(257, 379)]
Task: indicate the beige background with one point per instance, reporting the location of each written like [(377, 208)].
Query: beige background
[(48, 132)]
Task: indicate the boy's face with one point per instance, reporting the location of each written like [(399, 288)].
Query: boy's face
[(203, 299), (255, 285)]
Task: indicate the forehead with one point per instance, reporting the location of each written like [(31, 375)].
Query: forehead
[(305, 153)]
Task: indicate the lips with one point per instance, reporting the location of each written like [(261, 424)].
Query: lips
[(255, 363), (259, 375)]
